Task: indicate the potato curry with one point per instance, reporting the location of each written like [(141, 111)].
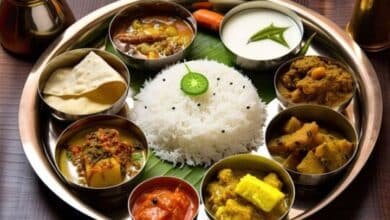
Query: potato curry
[(308, 148), (101, 157), (246, 195)]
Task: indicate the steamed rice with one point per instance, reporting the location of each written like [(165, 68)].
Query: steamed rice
[(199, 130)]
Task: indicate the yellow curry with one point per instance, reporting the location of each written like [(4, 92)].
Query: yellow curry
[(234, 195), (101, 157)]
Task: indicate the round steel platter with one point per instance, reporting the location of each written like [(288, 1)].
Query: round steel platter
[(38, 131)]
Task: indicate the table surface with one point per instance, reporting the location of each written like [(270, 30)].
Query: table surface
[(23, 195)]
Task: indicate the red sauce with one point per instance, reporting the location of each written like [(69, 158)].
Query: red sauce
[(164, 203)]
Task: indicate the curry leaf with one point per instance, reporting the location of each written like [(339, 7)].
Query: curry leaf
[(271, 32)]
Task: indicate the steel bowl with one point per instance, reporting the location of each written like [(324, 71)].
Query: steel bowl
[(163, 181), (249, 162), (262, 64), (324, 116), (140, 8), (115, 192), (285, 103), (72, 58)]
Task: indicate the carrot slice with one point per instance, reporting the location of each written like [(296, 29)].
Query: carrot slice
[(208, 19)]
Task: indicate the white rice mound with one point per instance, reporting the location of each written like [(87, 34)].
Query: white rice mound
[(199, 130)]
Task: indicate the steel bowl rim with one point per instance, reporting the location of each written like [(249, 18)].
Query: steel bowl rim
[(339, 107), (169, 178), (344, 166), (237, 157), (95, 119), (192, 23), (268, 5), (73, 117)]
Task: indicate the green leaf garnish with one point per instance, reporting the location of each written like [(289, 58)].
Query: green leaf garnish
[(69, 155), (194, 83), (306, 46), (270, 33), (137, 156)]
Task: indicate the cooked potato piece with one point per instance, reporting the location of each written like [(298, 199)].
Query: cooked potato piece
[(273, 180), (318, 72), (235, 211), (311, 164), (292, 125), (105, 172), (276, 146), (319, 138), (292, 161), (226, 175), (334, 154), (302, 138)]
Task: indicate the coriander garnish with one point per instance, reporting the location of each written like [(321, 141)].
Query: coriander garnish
[(270, 33), (136, 156)]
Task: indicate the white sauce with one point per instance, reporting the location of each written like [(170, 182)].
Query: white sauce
[(241, 26)]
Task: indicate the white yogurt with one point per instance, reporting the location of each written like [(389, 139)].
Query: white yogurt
[(241, 26)]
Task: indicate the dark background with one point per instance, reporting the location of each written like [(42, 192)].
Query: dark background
[(24, 196)]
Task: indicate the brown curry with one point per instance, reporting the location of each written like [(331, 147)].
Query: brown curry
[(316, 80)]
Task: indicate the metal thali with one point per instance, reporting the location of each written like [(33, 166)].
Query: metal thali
[(38, 130)]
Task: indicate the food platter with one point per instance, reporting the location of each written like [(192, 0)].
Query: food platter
[(39, 131)]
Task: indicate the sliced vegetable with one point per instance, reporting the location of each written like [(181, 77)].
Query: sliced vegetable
[(271, 33), (194, 83), (259, 193), (306, 46), (208, 19)]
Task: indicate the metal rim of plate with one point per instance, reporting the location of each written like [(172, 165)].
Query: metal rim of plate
[(370, 95)]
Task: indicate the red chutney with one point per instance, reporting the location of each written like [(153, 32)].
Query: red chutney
[(164, 203)]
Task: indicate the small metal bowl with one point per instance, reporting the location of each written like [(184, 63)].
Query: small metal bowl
[(285, 103), (114, 192), (163, 181), (158, 7), (72, 58), (248, 162), (324, 116), (262, 64)]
